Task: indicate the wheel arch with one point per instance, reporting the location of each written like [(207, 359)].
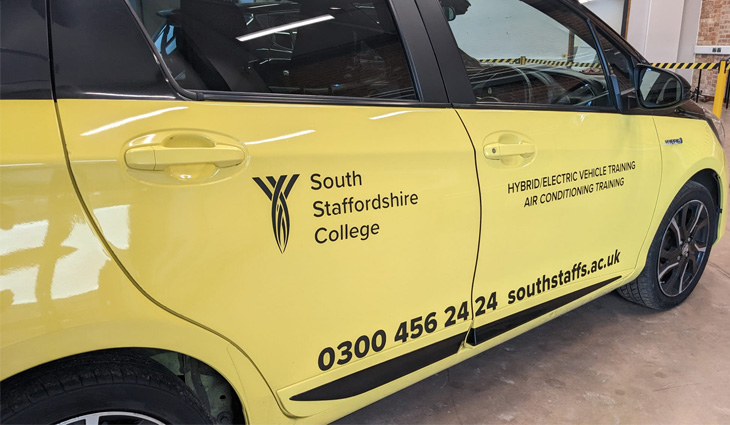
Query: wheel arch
[(153, 340), (704, 172), (711, 180)]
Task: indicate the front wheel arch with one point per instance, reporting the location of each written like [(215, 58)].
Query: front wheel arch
[(710, 180), (649, 289)]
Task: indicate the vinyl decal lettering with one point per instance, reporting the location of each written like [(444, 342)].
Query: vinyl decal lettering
[(427, 323), (341, 207), (413, 328), (583, 183), (351, 206), (547, 282)]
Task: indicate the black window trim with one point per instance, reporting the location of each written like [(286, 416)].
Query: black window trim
[(613, 88), (428, 86), (611, 84), (450, 65), (608, 32)]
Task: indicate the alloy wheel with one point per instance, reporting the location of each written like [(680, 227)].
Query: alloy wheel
[(112, 418), (683, 248)]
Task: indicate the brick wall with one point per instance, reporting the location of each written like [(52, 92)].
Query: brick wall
[(714, 31)]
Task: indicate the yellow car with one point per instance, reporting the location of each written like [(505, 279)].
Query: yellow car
[(281, 211)]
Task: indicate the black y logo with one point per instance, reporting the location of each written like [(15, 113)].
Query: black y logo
[(277, 194)]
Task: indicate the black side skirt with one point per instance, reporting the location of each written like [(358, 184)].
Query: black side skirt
[(380, 374), (492, 330)]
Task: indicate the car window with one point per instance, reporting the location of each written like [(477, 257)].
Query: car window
[(314, 47), (619, 63), (621, 66), (527, 52)]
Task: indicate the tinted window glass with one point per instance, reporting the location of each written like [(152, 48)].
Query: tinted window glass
[(99, 52), (25, 70), (318, 47), (527, 51)]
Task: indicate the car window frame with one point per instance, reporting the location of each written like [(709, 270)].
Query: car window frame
[(427, 83), (456, 78)]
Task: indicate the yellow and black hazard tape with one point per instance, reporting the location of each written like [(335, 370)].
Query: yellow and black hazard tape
[(499, 60), (562, 64), (686, 65), (566, 64)]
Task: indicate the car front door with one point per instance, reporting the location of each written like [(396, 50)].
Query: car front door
[(568, 183), (312, 205)]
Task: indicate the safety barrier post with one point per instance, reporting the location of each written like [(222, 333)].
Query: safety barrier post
[(720, 88)]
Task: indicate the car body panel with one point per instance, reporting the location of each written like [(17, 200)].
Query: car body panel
[(700, 150), (96, 252), (567, 197), (62, 293), (203, 245)]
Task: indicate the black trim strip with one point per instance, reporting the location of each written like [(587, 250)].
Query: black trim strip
[(446, 49), (536, 107), (424, 68), (380, 374), (501, 326), (314, 99)]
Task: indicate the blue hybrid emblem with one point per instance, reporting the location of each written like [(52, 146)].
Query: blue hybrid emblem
[(277, 190)]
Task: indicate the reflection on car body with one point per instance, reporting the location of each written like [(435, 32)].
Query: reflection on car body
[(278, 212)]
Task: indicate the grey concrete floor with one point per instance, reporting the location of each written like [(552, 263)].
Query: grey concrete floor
[(608, 362)]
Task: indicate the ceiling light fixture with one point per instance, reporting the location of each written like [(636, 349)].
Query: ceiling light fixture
[(286, 27)]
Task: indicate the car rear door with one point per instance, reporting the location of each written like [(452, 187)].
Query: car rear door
[(568, 183), (315, 204)]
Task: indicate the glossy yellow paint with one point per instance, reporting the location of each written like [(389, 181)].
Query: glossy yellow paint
[(699, 151), (206, 248), (191, 262), (574, 188), (61, 292)]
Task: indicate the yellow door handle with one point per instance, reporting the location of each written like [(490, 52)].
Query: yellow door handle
[(503, 150), (159, 157)]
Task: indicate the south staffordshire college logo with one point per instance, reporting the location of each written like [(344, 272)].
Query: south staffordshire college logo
[(277, 191)]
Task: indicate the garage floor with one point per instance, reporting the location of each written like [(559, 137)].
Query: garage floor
[(608, 362)]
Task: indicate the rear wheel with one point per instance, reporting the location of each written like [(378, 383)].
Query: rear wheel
[(100, 389), (679, 252)]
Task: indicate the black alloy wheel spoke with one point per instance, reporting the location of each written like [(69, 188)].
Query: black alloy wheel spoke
[(670, 265), (683, 248), (670, 255), (674, 227), (672, 284), (682, 277), (695, 220), (702, 223), (693, 264), (698, 247), (684, 222)]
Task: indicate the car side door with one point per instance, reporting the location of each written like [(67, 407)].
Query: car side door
[(314, 204), (568, 183)]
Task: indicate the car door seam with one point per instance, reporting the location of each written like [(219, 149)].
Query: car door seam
[(481, 217)]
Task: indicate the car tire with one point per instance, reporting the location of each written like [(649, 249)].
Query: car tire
[(104, 388), (679, 252)]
